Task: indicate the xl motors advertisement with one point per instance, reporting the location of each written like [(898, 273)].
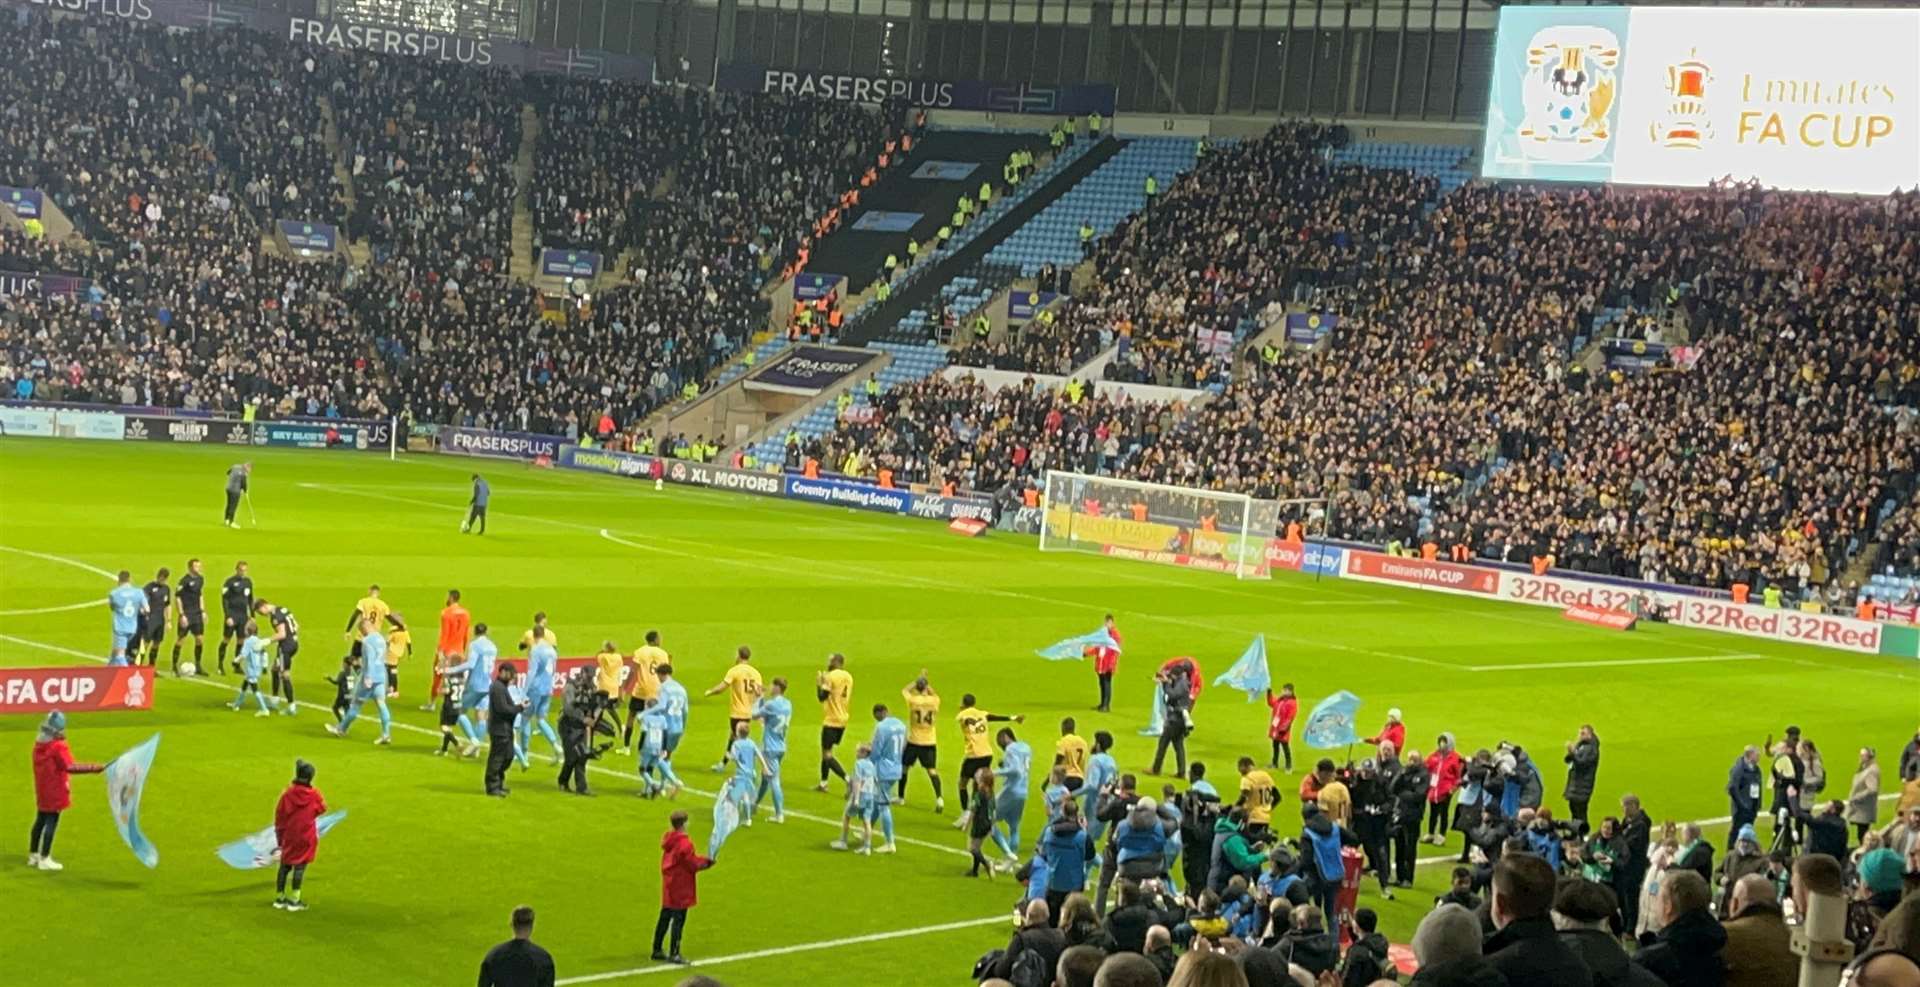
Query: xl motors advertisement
[(1798, 98)]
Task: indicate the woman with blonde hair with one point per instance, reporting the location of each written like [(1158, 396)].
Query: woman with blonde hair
[(1077, 922), (1204, 966)]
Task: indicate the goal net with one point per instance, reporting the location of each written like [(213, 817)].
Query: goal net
[(1151, 522)]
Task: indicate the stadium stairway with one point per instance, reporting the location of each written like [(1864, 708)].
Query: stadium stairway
[(524, 265), (1446, 163), (911, 362), (920, 286)]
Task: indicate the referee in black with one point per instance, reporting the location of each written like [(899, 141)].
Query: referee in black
[(236, 608), (236, 486)]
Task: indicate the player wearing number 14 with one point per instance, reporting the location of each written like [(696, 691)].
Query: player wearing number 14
[(923, 708)]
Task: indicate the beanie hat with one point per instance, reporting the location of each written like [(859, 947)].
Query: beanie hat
[(1746, 834), (53, 726), (1881, 871), (302, 770)]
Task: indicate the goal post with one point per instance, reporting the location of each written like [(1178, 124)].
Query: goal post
[(1209, 530)]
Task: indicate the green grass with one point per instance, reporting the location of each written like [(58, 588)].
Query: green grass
[(418, 882)]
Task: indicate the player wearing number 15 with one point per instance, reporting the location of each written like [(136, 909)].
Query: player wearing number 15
[(923, 708), (742, 684)]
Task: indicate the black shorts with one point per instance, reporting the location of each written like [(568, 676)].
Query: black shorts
[(971, 766), (193, 623), (637, 705), (830, 737), (733, 727), (925, 755), (288, 648), (1075, 784), (236, 625), (152, 632)]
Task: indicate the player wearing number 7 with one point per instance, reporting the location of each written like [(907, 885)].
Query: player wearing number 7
[(923, 708)]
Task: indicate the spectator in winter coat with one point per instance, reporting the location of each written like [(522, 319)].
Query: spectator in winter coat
[(1583, 764), (1373, 819), (1583, 913), (1321, 840), (1232, 855), (518, 962), (295, 826), (1394, 732), (1524, 788), (1910, 759), (1067, 849), (52, 764), (1743, 790), (1140, 910), (1695, 853), (680, 866), (1037, 934), (1409, 791), (1863, 795), (1687, 952), (1743, 859), (1445, 768), (1759, 950), (1308, 944), (1447, 944), (1636, 837), (1526, 948)]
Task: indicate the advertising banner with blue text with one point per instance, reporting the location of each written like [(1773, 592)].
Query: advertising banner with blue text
[(307, 236), (25, 202), (569, 263)]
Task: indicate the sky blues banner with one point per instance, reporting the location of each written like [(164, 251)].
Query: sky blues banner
[(389, 39), (126, 777), (302, 235), (569, 263), (1027, 304), (25, 202), (938, 94), (505, 445), (1307, 328), (262, 849), (807, 287), (808, 370)]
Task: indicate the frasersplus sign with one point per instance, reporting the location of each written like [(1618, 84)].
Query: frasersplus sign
[(41, 690), (937, 94), (808, 370), (349, 35), (505, 445)]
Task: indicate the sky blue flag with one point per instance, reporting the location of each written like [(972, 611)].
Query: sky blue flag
[(1075, 648), (726, 819), (262, 849), (126, 779), (1250, 673), (1331, 723)]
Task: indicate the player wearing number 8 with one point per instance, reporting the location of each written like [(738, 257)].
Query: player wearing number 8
[(923, 708)]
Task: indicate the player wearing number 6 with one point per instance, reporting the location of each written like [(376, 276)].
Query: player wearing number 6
[(923, 708)]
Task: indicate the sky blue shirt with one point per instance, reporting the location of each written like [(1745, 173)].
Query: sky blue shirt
[(1101, 769), (253, 657), (775, 714), (866, 783), (373, 655), (889, 744), (540, 665), (653, 732), (746, 761), (673, 705), (1015, 762), (126, 602), (479, 665)]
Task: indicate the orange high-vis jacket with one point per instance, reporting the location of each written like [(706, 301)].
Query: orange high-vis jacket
[(1865, 610), (886, 479), (1429, 551), (1740, 592), (812, 469), (1030, 497)]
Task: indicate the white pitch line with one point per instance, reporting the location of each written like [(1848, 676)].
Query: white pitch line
[(398, 725), (805, 947), (1615, 663), (60, 609), (63, 560)]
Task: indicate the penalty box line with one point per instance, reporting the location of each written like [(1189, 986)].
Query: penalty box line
[(412, 728)]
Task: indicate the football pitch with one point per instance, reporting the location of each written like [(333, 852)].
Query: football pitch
[(417, 883)]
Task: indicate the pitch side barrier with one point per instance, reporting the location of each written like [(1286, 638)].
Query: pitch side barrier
[(133, 423)]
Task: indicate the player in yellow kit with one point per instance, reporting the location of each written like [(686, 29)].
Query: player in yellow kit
[(399, 645), (371, 607), (834, 688), (743, 685), (540, 621), (1258, 796), (1070, 753), (976, 746), (922, 748), (643, 685), (609, 670)]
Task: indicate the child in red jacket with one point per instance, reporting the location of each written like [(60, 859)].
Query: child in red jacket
[(294, 827), (679, 865), (52, 763)]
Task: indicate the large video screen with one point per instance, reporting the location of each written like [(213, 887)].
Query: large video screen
[(1796, 98)]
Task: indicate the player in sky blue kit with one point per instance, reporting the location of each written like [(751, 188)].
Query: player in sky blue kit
[(1016, 761), (653, 755), (478, 669), (867, 798), (775, 713), (748, 768), (373, 683), (252, 661), (541, 662), (1102, 770), (889, 745), (129, 605), (673, 710)]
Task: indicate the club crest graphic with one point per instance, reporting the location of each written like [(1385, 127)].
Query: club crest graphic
[(1571, 91)]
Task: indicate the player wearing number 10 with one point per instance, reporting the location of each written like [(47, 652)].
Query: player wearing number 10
[(923, 708)]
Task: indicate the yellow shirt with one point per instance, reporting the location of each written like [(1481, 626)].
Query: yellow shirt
[(1256, 793), (399, 644), (526, 640), (743, 684), (374, 607), (613, 667), (922, 707), (645, 683), (974, 739), (839, 687), (1337, 802), (1073, 755)]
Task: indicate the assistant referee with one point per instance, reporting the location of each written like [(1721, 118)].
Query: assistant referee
[(236, 486)]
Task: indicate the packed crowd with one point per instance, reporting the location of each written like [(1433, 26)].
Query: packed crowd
[(172, 151)]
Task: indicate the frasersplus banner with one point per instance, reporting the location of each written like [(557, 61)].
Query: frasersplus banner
[(25, 284), (85, 689), (808, 370), (937, 94), (441, 46), (505, 445)]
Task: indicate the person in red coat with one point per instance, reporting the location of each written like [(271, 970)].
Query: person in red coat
[(1395, 732), (1284, 708), (294, 827), (1105, 661), (52, 763), (1445, 768), (679, 866)]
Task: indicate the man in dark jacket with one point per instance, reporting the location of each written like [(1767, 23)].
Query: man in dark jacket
[(1583, 765), (1743, 790), (1110, 806), (1321, 840), (1036, 934), (1139, 911), (1372, 817), (1695, 853), (1583, 912), (501, 709), (1409, 791), (1759, 950), (518, 962), (1687, 952), (1827, 830), (1526, 949), (1636, 835), (1308, 943)]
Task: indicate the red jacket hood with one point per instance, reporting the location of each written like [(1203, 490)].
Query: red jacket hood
[(303, 797), (674, 836)]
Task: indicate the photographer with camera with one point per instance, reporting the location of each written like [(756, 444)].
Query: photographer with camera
[(580, 720)]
